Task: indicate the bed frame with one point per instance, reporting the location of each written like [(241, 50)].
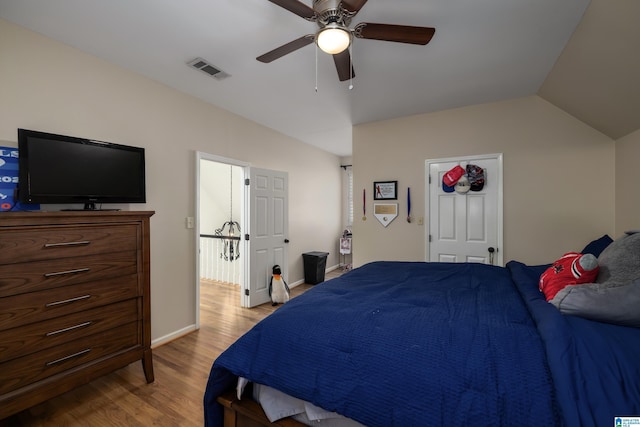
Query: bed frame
[(248, 413)]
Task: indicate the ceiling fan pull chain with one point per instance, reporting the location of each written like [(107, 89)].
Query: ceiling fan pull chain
[(316, 68), (351, 66)]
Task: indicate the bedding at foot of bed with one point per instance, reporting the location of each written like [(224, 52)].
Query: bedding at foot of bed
[(248, 413)]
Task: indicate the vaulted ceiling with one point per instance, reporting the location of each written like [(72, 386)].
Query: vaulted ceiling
[(580, 55)]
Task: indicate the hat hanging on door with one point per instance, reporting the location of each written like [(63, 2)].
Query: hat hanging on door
[(463, 186), (451, 177), (476, 177), (448, 188)]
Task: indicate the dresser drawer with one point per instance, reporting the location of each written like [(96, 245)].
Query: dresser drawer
[(23, 245), (24, 340), (34, 276), (34, 307), (23, 371)]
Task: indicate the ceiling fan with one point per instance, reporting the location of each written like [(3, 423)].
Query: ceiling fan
[(334, 35)]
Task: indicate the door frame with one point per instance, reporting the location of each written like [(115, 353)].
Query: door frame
[(244, 221), (499, 214)]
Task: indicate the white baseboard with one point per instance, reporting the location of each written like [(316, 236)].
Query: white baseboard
[(335, 267), (173, 336), (191, 328), (296, 283), (326, 270)]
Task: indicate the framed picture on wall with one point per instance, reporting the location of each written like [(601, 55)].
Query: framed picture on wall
[(385, 190)]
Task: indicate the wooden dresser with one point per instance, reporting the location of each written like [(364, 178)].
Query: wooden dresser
[(74, 301)]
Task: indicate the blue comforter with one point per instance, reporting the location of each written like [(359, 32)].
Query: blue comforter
[(433, 344), (595, 366)]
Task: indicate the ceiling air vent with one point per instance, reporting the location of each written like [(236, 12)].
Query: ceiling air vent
[(205, 67)]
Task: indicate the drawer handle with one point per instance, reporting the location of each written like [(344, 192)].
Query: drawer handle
[(70, 328), (71, 356), (67, 301), (59, 273), (57, 245)]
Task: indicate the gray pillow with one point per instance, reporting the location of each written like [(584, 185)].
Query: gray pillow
[(615, 297), (620, 261), (619, 304)]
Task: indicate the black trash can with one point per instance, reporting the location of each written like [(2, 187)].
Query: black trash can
[(315, 263)]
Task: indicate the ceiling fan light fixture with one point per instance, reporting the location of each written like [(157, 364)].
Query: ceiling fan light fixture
[(333, 38)]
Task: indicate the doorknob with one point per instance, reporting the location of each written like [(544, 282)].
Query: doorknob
[(286, 240), (491, 251)]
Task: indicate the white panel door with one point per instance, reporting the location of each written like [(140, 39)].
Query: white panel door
[(269, 226), (465, 227)]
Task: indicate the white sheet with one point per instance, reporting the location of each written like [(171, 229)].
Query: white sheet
[(277, 405)]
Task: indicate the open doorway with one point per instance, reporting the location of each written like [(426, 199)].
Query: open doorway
[(221, 221)]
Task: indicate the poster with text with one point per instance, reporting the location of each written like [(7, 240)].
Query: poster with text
[(9, 182)]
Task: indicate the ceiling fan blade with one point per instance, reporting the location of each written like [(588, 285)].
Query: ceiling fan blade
[(286, 48), (353, 6), (343, 65), (394, 33), (296, 7)]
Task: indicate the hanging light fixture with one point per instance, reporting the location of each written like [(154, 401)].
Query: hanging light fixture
[(231, 247), (333, 38)]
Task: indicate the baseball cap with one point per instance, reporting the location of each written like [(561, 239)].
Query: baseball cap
[(463, 185), (476, 177), (452, 175)]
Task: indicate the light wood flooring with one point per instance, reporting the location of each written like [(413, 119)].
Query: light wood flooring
[(123, 398)]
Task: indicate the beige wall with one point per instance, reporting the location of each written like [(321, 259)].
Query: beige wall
[(47, 86), (558, 176), (626, 189)]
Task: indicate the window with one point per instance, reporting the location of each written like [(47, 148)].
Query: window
[(350, 197), (347, 191)]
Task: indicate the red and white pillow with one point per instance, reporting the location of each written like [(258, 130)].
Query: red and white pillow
[(572, 268)]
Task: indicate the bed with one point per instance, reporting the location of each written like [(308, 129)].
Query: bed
[(414, 343)]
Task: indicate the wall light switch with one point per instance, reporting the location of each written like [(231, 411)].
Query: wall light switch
[(189, 222)]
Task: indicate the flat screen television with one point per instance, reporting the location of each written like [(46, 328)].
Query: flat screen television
[(58, 169)]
